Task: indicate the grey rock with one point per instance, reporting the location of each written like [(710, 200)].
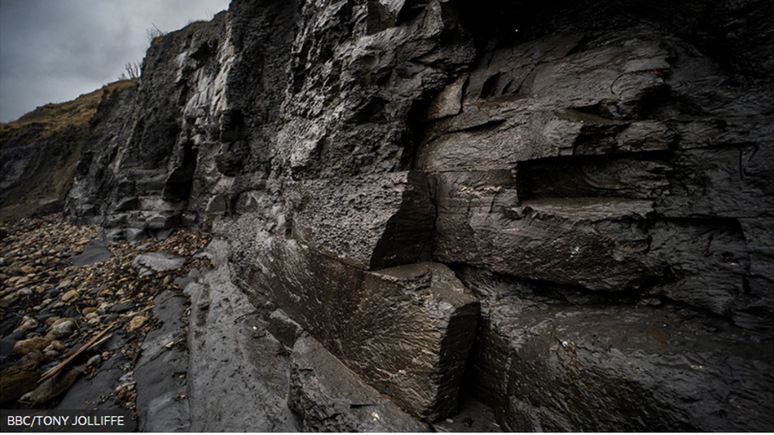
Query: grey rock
[(94, 252), (135, 235), (604, 156), (53, 387), (283, 328), (88, 392), (328, 397), (216, 204), (386, 222), (473, 416), (122, 307), (147, 264), (160, 393), (161, 390), (407, 330), (9, 341), (538, 353), (62, 330), (231, 359)]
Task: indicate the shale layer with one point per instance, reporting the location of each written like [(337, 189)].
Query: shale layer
[(564, 209)]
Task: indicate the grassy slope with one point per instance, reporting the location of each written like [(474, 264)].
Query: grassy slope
[(55, 133)]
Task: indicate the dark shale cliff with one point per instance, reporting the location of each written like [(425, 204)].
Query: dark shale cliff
[(562, 208)]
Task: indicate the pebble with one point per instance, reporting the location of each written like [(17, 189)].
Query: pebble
[(51, 320), (70, 296), (136, 323), (8, 300), (63, 329), (28, 324), (122, 307), (23, 347), (94, 361), (21, 281), (36, 279)]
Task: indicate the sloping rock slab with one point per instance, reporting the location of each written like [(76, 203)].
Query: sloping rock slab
[(160, 372), (329, 397), (94, 252), (406, 330), (237, 380), (147, 264)]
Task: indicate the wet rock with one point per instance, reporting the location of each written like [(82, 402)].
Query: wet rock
[(94, 252), (121, 308), (473, 416), (283, 328), (419, 332), (328, 397), (146, 264), (603, 155), (8, 343), (21, 378), (161, 390), (58, 346), (94, 361), (53, 387), (93, 391), (8, 300), (224, 328), (23, 347), (548, 362), (62, 329)]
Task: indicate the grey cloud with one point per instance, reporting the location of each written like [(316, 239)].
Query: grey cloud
[(55, 50)]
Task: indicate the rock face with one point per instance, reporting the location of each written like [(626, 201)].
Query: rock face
[(582, 193), (41, 149)]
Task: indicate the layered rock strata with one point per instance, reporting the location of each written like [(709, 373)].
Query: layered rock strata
[(595, 178)]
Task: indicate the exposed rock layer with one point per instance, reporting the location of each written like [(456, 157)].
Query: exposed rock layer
[(598, 175)]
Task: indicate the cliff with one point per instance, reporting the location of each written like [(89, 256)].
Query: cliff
[(561, 208), (40, 151)]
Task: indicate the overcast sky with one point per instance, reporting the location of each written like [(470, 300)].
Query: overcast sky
[(51, 51)]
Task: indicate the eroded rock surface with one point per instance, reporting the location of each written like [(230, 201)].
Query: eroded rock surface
[(592, 180)]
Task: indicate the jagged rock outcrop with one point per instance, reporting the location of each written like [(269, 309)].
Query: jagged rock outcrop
[(581, 191)]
